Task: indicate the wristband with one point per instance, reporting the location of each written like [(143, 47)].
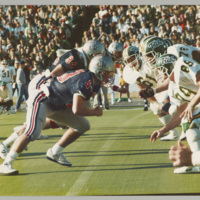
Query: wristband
[(196, 158)]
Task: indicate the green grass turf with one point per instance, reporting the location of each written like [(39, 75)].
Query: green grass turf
[(114, 158)]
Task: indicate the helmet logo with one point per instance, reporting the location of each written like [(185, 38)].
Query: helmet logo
[(156, 43), (168, 60)]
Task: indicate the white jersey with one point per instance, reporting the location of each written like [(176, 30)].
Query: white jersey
[(185, 87), (5, 74), (145, 76), (180, 50)]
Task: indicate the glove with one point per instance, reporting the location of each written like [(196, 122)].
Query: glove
[(148, 92)]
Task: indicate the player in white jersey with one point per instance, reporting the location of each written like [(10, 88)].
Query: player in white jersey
[(184, 92), (183, 50), (151, 48), (6, 74), (137, 72)]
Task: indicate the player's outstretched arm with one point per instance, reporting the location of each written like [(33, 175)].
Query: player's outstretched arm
[(79, 107), (58, 71), (188, 112), (173, 123)]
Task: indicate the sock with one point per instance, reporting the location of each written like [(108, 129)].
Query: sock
[(193, 138), (11, 157), (164, 120), (57, 149), (10, 139)]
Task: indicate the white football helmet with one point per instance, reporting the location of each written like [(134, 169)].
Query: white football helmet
[(103, 68), (115, 49), (92, 48), (131, 57), (4, 63)]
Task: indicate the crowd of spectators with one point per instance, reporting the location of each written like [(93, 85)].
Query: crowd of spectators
[(34, 33), (129, 24)]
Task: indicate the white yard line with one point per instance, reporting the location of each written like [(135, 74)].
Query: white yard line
[(85, 175)]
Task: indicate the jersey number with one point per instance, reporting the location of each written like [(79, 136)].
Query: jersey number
[(5, 74), (65, 77), (185, 68)]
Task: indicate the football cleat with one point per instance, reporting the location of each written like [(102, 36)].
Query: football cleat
[(170, 137), (3, 151), (42, 137), (129, 100), (60, 159), (187, 170), (145, 108), (6, 170)]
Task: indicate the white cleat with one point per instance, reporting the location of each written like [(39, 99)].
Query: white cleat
[(58, 158), (6, 170), (169, 137), (187, 170), (43, 137), (3, 151), (129, 100)]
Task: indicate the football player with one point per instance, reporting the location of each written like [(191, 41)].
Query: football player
[(138, 72), (115, 50), (184, 92), (7, 74), (63, 101)]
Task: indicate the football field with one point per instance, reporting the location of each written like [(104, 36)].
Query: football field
[(114, 158)]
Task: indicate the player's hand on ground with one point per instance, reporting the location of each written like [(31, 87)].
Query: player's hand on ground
[(180, 155), (98, 111), (155, 135)]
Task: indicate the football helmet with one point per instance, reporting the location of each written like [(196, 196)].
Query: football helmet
[(145, 39), (131, 57), (115, 49), (93, 47), (168, 42), (103, 68), (4, 63), (152, 49), (166, 63)]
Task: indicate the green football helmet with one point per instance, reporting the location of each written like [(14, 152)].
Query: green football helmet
[(145, 39), (166, 63), (168, 42), (131, 57), (152, 49)]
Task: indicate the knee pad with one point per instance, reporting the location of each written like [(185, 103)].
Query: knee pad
[(82, 127)]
